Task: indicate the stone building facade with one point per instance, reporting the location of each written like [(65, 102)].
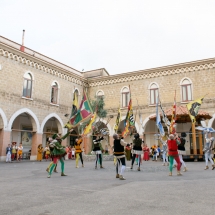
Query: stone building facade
[(36, 93)]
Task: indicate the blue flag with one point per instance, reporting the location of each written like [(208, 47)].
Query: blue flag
[(158, 121)]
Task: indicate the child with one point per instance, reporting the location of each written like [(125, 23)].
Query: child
[(19, 152)]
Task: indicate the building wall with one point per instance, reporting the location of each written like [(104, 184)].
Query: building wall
[(14, 64)]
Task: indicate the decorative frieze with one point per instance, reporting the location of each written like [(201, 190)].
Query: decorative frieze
[(43, 68), (146, 74)]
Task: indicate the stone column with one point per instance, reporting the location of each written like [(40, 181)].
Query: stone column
[(37, 138), (4, 141)]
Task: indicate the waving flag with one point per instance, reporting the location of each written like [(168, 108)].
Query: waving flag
[(172, 125), (165, 118), (193, 108), (74, 104), (118, 119), (83, 113), (158, 121), (88, 128)]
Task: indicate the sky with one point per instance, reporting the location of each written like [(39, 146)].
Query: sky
[(118, 35)]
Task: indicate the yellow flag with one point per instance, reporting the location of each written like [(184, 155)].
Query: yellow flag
[(118, 119), (74, 104), (88, 128), (193, 108)]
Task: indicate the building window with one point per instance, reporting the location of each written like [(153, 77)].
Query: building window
[(186, 90), (27, 88), (54, 93), (153, 93), (100, 94), (125, 97)]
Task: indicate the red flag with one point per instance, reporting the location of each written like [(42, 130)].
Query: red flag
[(172, 125)]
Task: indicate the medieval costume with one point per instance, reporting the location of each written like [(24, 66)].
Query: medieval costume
[(14, 151), (78, 151), (47, 152), (128, 152), (19, 151), (39, 152), (173, 143), (97, 150), (181, 152), (146, 153), (207, 150), (58, 152), (120, 155), (164, 151), (137, 150)]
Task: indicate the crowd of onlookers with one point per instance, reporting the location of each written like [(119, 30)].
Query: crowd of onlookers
[(14, 152)]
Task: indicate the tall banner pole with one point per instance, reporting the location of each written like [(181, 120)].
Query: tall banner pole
[(194, 138)]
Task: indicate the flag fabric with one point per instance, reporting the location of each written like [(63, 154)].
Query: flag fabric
[(74, 104), (83, 113), (118, 119), (129, 120), (165, 118), (172, 125), (193, 108), (89, 127), (158, 121)]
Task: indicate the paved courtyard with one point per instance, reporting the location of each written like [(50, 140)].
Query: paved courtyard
[(26, 190)]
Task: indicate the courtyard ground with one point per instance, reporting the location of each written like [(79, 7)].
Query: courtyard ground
[(26, 190)]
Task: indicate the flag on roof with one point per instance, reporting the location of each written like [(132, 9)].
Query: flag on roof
[(193, 108)]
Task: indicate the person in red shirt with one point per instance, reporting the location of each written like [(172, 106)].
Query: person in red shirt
[(173, 143)]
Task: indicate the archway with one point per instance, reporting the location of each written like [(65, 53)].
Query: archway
[(52, 124), (24, 128)]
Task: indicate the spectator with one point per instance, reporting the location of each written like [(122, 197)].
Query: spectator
[(19, 152), (40, 152), (8, 153)]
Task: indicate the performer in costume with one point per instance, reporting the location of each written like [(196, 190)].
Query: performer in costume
[(120, 155), (19, 152), (97, 150), (40, 152), (207, 150), (137, 150), (181, 150), (146, 152), (78, 151), (58, 153), (128, 152), (164, 151), (173, 143)]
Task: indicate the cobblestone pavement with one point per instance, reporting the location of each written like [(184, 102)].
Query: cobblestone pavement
[(26, 190)]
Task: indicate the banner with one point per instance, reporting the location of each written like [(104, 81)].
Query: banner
[(193, 108), (158, 121), (118, 119)]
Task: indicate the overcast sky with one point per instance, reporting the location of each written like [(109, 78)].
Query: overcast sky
[(118, 35)]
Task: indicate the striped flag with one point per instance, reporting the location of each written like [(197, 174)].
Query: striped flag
[(158, 121), (118, 119), (172, 125), (165, 118)]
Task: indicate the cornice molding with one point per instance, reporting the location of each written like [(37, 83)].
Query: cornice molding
[(153, 73), (44, 66)]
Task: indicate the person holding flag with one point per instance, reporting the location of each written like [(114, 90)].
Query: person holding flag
[(119, 145), (78, 151)]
